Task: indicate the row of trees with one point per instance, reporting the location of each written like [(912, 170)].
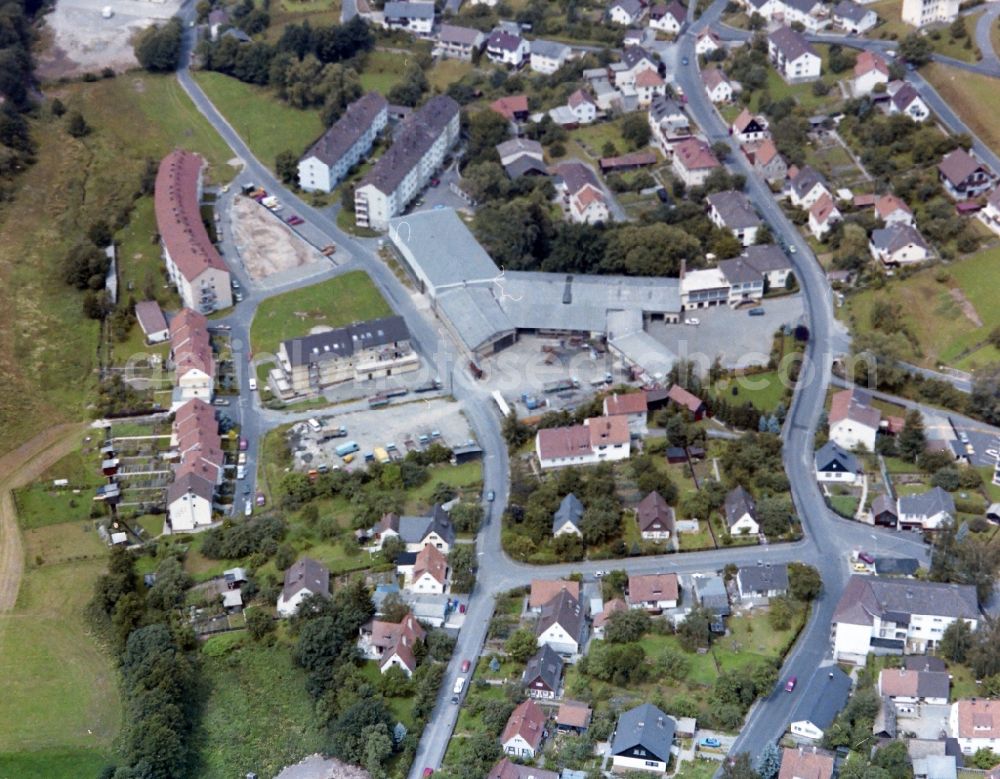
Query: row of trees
[(17, 147)]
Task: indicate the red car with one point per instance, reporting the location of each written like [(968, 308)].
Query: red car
[(261, 500), (465, 665), (790, 684), (428, 771), (244, 444)]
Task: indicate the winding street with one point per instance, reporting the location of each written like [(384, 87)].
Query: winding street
[(827, 540)]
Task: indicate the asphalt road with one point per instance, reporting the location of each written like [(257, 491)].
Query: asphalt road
[(827, 539)]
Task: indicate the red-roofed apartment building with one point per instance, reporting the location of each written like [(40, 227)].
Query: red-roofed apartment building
[(193, 264), (192, 357), (198, 468), (598, 439)]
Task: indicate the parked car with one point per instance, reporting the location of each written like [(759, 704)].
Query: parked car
[(435, 182), (465, 665), (790, 684), (491, 496), (709, 741), (428, 771), (866, 558), (684, 60), (248, 510), (261, 500), (223, 327), (691, 320), (221, 402), (238, 297), (244, 444), (860, 567), (758, 311)]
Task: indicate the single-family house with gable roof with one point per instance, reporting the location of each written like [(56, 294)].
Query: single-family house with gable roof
[(642, 740), (413, 16), (707, 42), (392, 643), (731, 210), (930, 510), (583, 107), (543, 674), (717, 85), (766, 160), (635, 60), (525, 730), (802, 763), (303, 578), (710, 593), (854, 422), (823, 698), (807, 186), (655, 517), (514, 149), (892, 210), (898, 244), (811, 14), (975, 722), (430, 572), (573, 717), (904, 99), (854, 17), (836, 464), (631, 405), (687, 400), (897, 616), (757, 584), (870, 70), (694, 161), (747, 127), (653, 591), (599, 439), (507, 48), (544, 590), (566, 520), (627, 12), (561, 624), (648, 86), (600, 620), (435, 530), (513, 108), (741, 512), (344, 144), (963, 176), (548, 56), (908, 689), (793, 56), (668, 17), (189, 502), (823, 215)]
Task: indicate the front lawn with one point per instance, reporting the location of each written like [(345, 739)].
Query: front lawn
[(266, 124), (351, 297)]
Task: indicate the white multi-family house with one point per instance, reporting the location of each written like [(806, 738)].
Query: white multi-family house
[(770, 262), (793, 56), (854, 17), (461, 43), (598, 439), (413, 16), (707, 42), (897, 616), (429, 574), (419, 147), (693, 161), (746, 283), (653, 591), (635, 60), (811, 14), (643, 740), (507, 48), (668, 123), (975, 722), (920, 13), (648, 86), (344, 145)]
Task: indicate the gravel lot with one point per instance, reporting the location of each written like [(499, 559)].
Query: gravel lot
[(83, 41), (265, 243), (380, 427)]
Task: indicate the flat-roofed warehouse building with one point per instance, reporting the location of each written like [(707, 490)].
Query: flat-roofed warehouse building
[(486, 308)]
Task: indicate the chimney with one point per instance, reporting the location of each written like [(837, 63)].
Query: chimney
[(683, 269)]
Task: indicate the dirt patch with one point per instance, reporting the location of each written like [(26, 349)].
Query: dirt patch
[(267, 245), (81, 40), (967, 308)]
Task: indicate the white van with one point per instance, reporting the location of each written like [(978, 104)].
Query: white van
[(253, 385), (314, 424), (241, 472)]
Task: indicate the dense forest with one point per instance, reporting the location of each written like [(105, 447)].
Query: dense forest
[(17, 150)]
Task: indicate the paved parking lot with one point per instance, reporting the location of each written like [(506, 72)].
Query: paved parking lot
[(379, 428), (739, 339)]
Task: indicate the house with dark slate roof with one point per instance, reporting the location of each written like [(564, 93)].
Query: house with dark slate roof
[(543, 674), (836, 464), (898, 244), (561, 624), (741, 512), (757, 584), (883, 511), (793, 56), (823, 698), (656, 518), (567, 517), (854, 17), (642, 740), (897, 616), (930, 510), (435, 530), (731, 210), (344, 144)]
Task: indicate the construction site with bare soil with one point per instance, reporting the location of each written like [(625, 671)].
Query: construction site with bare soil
[(265, 243)]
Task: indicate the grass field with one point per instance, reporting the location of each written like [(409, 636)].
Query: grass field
[(257, 715), (59, 685), (446, 72), (41, 505), (967, 93), (351, 297), (803, 94), (936, 320), (382, 71), (267, 125), (53, 764), (764, 390), (46, 345), (140, 264)]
